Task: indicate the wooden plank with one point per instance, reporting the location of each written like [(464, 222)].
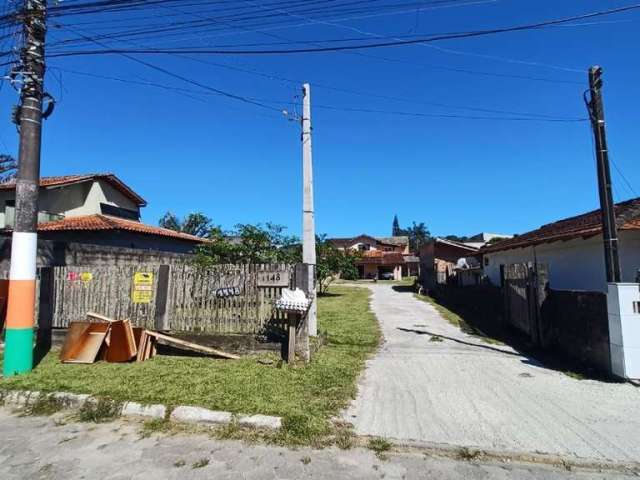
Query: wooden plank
[(192, 346), (87, 346), (291, 334), (122, 346), (142, 346)]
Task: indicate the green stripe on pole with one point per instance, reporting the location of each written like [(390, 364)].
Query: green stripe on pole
[(18, 351)]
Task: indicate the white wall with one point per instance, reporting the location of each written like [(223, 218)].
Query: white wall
[(573, 265), (97, 192)]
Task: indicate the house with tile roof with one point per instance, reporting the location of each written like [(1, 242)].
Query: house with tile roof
[(439, 260), (84, 218), (572, 248), (380, 256)]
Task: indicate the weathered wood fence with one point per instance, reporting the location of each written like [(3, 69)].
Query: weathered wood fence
[(525, 290), (220, 299)]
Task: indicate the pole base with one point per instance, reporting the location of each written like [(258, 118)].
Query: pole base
[(18, 351)]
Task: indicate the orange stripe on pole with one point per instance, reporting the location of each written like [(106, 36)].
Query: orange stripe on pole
[(21, 305)]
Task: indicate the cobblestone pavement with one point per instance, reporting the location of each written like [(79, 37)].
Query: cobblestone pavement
[(461, 391), (48, 448)]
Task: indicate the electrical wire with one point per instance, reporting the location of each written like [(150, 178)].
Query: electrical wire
[(365, 46)]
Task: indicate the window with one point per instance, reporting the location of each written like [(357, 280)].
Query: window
[(114, 211), (363, 247)]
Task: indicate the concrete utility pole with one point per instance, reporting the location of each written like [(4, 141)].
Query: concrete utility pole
[(18, 356), (609, 231), (308, 220)]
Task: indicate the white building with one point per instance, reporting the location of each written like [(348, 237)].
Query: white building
[(573, 250)]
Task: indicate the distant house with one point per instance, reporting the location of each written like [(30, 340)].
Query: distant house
[(439, 259), (92, 218), (380, 255), (484, 237), (572, 249), (468, 271)]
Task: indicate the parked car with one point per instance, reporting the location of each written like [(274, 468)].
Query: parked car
[(386, 276)]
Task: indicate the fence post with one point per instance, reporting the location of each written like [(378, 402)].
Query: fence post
[(161, 321), (302, 282), (45, 314)]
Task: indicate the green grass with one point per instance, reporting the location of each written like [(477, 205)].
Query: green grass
[(457, 320), (380, 446), (306, 397)]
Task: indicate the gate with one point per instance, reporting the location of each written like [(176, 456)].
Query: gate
[(525, 289)]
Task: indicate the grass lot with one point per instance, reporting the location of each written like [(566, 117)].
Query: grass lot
[(458, 321), (306, 397)]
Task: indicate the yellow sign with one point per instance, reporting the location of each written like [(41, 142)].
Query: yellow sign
[(142, 287)]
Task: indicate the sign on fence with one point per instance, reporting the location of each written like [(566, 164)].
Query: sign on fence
[(273, 279), (142, 287)]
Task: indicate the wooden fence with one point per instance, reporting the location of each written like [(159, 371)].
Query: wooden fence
[(525, 290), (220, 299)]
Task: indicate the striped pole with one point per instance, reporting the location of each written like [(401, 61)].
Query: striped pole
[(18, 351)]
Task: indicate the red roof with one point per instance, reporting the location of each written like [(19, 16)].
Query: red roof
[(49, 182), (380, 257), (585, 225), (99, 222)]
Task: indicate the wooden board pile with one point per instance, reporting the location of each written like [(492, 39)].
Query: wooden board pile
[(103, 338)]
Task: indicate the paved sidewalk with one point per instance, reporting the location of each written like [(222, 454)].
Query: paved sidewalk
[(465, 392), (40, 448)]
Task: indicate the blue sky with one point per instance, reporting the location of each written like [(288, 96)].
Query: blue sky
[(240, 164)]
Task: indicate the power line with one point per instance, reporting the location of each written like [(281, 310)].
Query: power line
[(396, 43)]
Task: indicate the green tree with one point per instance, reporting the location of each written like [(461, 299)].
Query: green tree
[(395, 229), (332, 263), (418, 234), (197, 223), (249, 244), (456, 238)]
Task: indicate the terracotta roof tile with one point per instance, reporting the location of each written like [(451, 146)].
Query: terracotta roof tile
[(380, 257), (71, 179), (585, 225), (99, 222)]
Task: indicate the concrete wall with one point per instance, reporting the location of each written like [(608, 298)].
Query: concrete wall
[(100, 249), (576, 325), (576, 264)]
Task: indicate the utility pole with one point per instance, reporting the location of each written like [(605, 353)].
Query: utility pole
[(609, 231), (308, 220), (18, 356)]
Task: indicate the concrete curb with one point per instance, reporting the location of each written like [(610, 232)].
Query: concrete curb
[(472, 454), (181, 414)]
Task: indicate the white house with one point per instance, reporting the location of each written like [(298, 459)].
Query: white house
[(573, 250)]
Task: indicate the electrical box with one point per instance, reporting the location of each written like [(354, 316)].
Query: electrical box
[(623, 306)]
